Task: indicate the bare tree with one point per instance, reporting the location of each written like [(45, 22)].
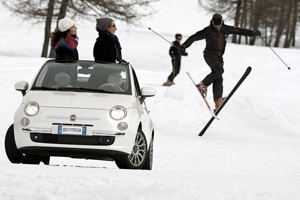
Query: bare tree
[(277, 19), (48, 28), (37, 11), (237, 18)]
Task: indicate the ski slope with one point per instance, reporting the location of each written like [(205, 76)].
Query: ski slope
[(252, 152)]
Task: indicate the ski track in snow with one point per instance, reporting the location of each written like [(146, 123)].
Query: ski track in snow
[(252, 152)]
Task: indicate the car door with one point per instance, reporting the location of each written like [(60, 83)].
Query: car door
[(142, 108)]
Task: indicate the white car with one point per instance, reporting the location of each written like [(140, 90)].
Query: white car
[(83, 109)]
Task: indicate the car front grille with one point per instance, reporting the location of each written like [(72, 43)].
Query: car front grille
[(72, 139)]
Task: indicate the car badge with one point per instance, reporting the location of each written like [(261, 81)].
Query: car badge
[(73, 118)]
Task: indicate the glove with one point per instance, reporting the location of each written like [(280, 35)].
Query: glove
[(183, 46), (257, 33), (185, 54), (124, 62), (182, 49)]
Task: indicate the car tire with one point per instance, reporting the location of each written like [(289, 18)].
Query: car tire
[(149, 159), (11, 150), (138, 156), (17, 157)]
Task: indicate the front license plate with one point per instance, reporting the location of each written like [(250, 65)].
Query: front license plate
[(74, 130)]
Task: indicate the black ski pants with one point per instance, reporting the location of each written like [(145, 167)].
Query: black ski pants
[(176, 62), (215, 77)]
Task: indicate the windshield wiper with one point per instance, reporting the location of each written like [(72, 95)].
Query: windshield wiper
[(73, 89), (42, 88), (92, 90)]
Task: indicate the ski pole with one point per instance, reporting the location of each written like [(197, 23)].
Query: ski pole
[(160, 35), (275, 52), (149, 28)]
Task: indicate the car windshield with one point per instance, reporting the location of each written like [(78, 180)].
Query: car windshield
[(84, 76)]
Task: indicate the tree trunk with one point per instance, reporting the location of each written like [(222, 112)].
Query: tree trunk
[(244, 19), (48, 28), (62, 14), (257, 11), (272, 26), (237, 18), (287, 41), (281, 24), (294, 25)]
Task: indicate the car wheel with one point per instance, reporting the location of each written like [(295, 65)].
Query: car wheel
[(11, 150), (137, 158), (149, 159), (14, 155)]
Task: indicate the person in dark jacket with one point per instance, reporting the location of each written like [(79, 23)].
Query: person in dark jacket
[(107, 46), (64, 40), (215, 35), (175, 52)]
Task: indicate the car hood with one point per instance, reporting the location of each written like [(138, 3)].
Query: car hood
[(79, 99)]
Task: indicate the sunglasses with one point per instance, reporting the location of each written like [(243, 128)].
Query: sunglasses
[(113, 26), (179, 38)]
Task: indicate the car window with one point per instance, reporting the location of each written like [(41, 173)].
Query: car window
[(84, 76)]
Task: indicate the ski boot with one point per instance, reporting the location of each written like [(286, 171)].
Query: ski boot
[(203, 89), (168, 83), (218, 102)]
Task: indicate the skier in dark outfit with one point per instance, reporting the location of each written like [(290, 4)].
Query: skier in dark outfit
[(216, 35), (175, 53)]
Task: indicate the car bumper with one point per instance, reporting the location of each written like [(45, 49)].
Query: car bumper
[(73, 152), (101, 133)]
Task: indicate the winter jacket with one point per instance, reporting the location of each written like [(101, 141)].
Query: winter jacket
[(107, 47), (216, 40), (175, 51), (66, 49)]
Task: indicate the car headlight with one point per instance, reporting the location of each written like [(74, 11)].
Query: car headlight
[(32, 108), (118, 112)]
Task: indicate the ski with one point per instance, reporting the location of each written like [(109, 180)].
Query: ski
[(206, 103), (247, 72)]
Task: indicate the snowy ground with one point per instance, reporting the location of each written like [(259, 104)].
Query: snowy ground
[(251, 153)]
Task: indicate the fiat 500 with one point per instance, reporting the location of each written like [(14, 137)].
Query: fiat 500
[(83, 109)]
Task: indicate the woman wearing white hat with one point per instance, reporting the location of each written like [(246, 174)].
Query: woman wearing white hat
[(65, 40)]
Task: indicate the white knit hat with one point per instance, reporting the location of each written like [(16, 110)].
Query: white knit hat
[(65, 24)]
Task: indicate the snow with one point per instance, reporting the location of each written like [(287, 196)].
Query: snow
[(252, 152)]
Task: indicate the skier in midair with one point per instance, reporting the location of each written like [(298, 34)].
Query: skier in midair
[(215, 35)]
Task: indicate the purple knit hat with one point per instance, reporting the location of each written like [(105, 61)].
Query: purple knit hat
[(103, 23)]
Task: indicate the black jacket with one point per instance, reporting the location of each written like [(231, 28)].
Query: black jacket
[(175, 51), (66, 54), (105, 48), (216, 40)]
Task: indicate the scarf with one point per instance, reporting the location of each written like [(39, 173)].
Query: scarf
[(67, 42), (115, 41)]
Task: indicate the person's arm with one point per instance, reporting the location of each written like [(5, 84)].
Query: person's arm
[(197, 36), (99, 51), (172, 51), (241, 31)]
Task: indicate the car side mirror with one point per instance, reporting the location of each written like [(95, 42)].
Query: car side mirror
[(147, 92), (21, 86)]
